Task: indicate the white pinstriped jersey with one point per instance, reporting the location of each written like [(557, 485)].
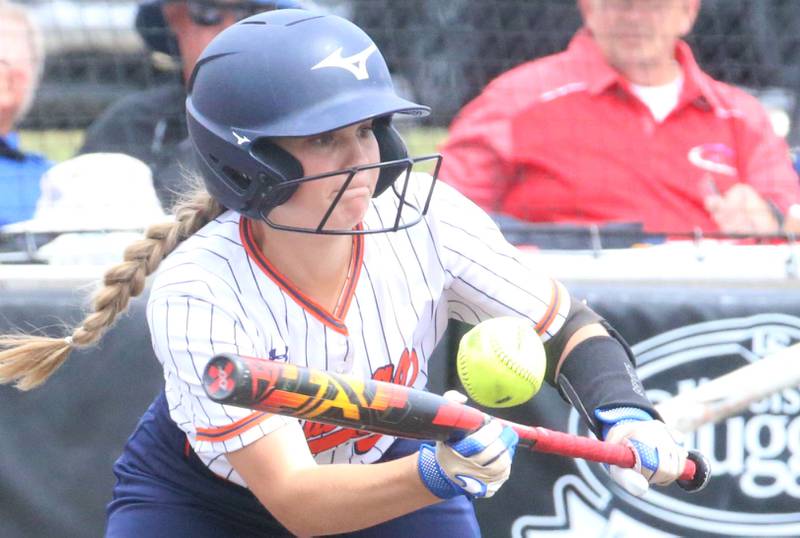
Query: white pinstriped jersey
[(217, 293)]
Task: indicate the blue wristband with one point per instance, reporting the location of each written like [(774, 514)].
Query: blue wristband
[(618, 415), (432, 475)]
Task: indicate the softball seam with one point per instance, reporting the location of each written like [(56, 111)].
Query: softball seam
[(510, 363)]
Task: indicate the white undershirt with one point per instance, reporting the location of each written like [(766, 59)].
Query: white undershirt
[(661, 100)]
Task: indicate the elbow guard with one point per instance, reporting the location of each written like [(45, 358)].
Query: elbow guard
[(598, 373)]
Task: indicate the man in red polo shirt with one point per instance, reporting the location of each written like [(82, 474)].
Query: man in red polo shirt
[(624, 126)]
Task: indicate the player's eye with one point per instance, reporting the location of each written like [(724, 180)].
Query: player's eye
[(365, 130), (323, 140)]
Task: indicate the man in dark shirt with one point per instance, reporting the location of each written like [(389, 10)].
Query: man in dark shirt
[(150, 124)]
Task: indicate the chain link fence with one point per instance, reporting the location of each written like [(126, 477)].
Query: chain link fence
[(441, 52)]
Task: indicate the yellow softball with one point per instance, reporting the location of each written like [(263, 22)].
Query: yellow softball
[(501, 362)]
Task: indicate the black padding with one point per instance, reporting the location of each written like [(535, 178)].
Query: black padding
[(392, 148), (579, 315), (597, 373), (279, 166)]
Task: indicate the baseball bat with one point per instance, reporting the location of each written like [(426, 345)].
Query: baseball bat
[(731, 393), (387, 408)]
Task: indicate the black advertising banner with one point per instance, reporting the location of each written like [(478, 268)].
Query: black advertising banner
[(61, 441), (683, 336)]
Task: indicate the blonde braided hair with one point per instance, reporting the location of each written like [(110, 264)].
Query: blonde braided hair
[(28, 360)]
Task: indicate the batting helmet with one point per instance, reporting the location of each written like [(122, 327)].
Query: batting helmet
[(286, 73)]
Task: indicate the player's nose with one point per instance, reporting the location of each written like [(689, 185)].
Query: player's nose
[(360, 150)]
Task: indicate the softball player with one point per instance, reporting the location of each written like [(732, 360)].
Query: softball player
[(313, 242)]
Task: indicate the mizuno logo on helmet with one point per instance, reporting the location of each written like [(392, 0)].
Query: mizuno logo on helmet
[(240, 139), (355, 64)]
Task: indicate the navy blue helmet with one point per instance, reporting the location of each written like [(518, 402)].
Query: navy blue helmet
[(287, 73)]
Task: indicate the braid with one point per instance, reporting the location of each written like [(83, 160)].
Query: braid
[(28, 360)]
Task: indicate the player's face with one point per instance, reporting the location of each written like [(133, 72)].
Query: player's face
[(335, 150), (638, 33)]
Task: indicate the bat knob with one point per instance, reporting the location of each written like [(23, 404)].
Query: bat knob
[(219, 377), (702, 473)]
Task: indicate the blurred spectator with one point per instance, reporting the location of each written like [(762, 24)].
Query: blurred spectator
[(80, 194), (21, 62), (624, 127), (150, 124), (97, 213)]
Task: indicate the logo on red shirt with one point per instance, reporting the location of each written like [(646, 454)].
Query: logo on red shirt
[(715, 158)]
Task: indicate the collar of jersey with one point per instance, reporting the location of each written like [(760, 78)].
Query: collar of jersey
[(335, 319)]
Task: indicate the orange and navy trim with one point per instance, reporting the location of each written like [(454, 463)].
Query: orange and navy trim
[(333, 320), (223, 433), (552, 310)]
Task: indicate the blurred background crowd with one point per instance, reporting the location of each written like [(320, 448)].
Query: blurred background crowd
[(108, 77)]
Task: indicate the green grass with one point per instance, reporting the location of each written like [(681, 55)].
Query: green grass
[(56, 145), (59, 145), (424, 141)]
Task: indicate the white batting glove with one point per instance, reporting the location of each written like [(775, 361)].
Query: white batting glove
[(659, 457), (475, 466)]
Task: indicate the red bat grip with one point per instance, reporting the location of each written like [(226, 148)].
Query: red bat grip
[(553, 442)]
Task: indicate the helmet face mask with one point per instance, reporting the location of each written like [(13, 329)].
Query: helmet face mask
[(292, 73), (409, 212)]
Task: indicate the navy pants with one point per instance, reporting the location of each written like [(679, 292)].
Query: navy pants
[(163, 489)]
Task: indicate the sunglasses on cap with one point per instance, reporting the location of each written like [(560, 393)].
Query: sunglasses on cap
[(213, 12)]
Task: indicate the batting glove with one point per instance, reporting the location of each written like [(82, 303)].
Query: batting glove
[(475, 466), (659, 457)]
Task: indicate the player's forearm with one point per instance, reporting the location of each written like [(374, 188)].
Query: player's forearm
[(328, 499), (596, 371), (587, 331)]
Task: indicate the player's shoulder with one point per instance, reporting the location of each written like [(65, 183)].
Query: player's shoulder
[(211, 252), (220, 236)]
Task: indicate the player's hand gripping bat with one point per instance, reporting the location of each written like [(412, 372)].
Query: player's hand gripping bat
[(729, 394), (397, 410)]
